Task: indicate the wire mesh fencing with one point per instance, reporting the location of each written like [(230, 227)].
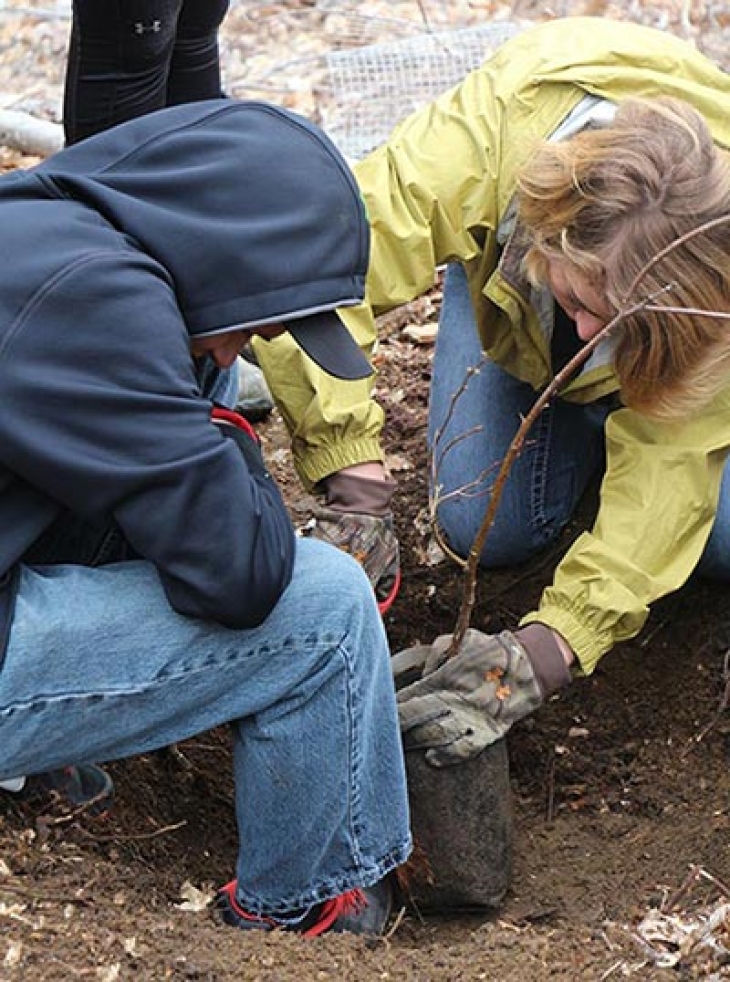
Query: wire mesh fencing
[(375, 86)]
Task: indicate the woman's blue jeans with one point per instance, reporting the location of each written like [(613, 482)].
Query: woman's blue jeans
[(469, 434), (99, 667)]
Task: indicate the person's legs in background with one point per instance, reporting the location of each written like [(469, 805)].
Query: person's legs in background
[(118, 62), (195, 66)]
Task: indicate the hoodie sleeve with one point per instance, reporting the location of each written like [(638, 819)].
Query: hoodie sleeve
[(424, 210), (103, 414)]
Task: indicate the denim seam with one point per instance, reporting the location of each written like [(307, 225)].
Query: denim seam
[(40, 700), (540, 456), (354, 761)]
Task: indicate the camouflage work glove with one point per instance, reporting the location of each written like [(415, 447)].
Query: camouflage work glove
[(356, 518), (463, 704), (421, 660)]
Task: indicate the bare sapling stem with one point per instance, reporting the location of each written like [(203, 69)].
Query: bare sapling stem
[(468, 598)]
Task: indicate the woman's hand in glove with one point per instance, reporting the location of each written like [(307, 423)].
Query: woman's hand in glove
[(464, 703)]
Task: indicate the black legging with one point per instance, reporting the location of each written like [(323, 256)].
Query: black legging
[(130, 57)]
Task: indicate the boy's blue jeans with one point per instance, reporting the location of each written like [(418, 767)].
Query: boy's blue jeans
[(470, 435), (99, 667)]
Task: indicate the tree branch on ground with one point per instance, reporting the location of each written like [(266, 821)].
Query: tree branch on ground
[(28, 134)]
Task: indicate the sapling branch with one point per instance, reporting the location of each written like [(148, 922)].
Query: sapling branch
[(471, 566)]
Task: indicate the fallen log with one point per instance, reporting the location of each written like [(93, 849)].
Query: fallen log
[(27, 134)]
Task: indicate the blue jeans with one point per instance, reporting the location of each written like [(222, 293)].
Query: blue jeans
[(218, 384), (100, 667), (470, 435)]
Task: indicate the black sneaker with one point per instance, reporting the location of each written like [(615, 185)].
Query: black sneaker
[(85, 787), (361, 911)]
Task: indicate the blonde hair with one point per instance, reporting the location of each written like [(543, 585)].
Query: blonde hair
[(608, 201)]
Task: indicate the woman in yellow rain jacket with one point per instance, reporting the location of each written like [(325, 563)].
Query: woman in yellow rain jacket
[(443, 190)]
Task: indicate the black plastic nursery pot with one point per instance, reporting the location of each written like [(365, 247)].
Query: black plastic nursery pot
[(461, 818)]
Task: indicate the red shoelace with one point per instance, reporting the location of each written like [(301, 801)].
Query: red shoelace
[(330, 911)]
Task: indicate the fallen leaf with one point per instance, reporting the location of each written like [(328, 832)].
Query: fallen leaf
[(108, 973), (194, 899), (14, 953), (421, 333)]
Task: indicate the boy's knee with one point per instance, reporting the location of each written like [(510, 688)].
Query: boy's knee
[(325, 566)]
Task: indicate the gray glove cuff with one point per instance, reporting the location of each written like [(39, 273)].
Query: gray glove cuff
[(362, 495), (545, 656)]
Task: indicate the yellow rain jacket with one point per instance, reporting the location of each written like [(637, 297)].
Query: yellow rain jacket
[(441, 190)]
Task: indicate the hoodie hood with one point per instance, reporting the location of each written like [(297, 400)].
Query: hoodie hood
[(250, 209)]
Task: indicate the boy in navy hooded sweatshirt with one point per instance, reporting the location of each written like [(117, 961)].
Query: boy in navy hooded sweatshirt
[(152, 583)]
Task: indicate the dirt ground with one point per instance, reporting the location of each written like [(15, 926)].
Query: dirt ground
[(619, 786)]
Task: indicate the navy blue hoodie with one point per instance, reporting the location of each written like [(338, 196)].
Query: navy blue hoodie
[(113, 253)]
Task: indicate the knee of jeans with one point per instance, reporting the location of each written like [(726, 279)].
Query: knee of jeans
[(348, 572), (506, 543), (340, 593), (327, 567)]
